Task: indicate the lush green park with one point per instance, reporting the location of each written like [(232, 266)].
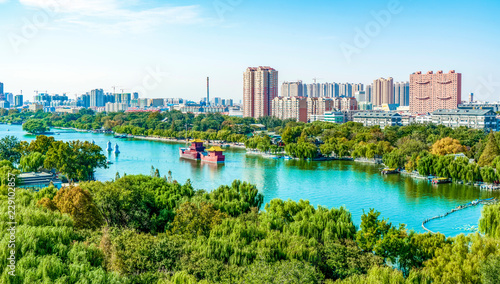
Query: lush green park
[(149, 229)]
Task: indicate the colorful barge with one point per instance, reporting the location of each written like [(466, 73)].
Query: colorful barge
[(197, 152)]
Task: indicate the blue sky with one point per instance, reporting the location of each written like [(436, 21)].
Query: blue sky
[(167, 48)]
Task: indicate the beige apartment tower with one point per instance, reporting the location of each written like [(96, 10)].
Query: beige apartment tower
[(290, 107), (383, 91), (260, 87)]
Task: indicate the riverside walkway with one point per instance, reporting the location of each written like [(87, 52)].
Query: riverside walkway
[(461, 207)]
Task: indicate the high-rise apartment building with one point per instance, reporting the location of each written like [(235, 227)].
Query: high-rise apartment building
[(312, 90), (97, 98), (402, 93), (18, 100), (1, 89), (361, 96), (334, 90), (348, 104), (430, 92), (156, 102), (10, 98), (292, 89), (260, 87), (115, 107), (85, 98), (346, 90), (318, 106), (290, 107), (369, 93), (383, 91), (358, 87)]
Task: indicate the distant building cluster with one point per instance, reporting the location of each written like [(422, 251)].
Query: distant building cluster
[(425, 98), (101, 101)]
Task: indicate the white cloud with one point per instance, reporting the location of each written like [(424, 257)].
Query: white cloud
[(111, 16)]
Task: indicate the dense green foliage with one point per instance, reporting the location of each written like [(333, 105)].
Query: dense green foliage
[(490, 221), (34, 126), (77, 160), (148, 229)]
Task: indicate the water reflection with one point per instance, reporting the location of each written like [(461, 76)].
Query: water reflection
[(358, 186)]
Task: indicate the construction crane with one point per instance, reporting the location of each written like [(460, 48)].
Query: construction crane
[(315, 79), (114, 89)]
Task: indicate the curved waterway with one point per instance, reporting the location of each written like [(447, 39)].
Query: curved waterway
[(356, 186)]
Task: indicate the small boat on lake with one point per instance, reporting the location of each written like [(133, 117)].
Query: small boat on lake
[(390, 171), (441, 180)]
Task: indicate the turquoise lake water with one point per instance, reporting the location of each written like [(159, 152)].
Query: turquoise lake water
[(356, 186)]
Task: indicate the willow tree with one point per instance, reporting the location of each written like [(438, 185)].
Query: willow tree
[(489, 224)]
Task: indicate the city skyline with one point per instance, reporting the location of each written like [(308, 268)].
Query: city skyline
[(158, 44)]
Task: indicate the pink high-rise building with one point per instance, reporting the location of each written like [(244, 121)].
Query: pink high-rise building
[(430, 92), (260, 87)]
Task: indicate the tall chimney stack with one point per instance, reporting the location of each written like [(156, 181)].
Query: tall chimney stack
[(208, 91)]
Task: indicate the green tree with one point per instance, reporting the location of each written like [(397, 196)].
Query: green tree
[(78, 203), (142, 203), (76, 159), (491, 151), (34, 126), (10, 149), (32, 162), (236, 199), (461, 262), (372, 230), (394, 159), (192, 220), (425, 164), (283, 272), (488, 174), (489, 224), (490, 270), (344, 258)]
